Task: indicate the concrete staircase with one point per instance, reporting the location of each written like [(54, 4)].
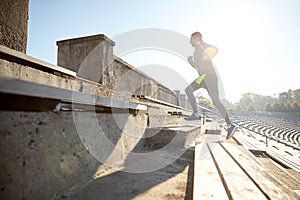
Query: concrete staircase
[(67, 131)]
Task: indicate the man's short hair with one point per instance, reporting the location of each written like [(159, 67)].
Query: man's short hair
[(197, 34)]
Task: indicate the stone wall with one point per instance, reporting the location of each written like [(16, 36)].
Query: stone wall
[(92, 58), (45, 155), (14, 23), (27, 73), (121, 76), (49, 154), (88, 56)]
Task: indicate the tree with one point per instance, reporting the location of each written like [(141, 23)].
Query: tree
[(245, 100), (296, 94), (268, 108), (283, 97), (283, 107), (227, 104), (296, 107), (238, 107), (277, 107), (283, 102), (288, 107), (259, 101), (251, 108), (205, 102)]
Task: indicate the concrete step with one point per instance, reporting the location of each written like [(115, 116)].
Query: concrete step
[(213, 128), (171, 136), (220, 168)]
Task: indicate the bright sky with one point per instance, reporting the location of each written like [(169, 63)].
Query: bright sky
[(258, 40)]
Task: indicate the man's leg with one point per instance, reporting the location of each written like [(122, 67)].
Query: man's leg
[(214, 95), (221, 108), (192, 99)]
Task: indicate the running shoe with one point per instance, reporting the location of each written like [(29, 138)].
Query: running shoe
[(230, 131)]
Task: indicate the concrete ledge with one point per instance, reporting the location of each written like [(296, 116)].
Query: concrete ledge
[(100, 37), (213, 128), (25, 88), (159, 102), (180, 136), (21, 58), (18, 71)]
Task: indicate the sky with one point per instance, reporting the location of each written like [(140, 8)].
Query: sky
[(258, 40)]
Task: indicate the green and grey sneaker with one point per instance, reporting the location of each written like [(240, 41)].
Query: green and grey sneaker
[(230, 131)]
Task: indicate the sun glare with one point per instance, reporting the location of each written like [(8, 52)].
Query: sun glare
[(239, 36)]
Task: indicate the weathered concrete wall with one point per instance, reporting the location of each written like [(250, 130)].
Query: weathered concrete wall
[(92, 58), (88, 56), (14, 23), (46, 154), (18, 71), (171, 136), (123, 77)]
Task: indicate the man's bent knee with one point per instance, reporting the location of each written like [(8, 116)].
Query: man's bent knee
[(188, 89)]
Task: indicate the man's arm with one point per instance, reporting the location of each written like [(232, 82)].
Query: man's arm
[(191, 61), (210, 51)]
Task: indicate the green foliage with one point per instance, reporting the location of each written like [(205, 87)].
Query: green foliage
[(238, 107), (284, 102), (245, 100), (251, 108), (268, 108), (204, 102), (277, 107), (288, 107), (296, 107), (258, 101)]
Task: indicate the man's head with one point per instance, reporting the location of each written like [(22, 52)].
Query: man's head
[(196, 38)]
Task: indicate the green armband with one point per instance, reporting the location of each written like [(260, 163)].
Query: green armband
[(200, 79)]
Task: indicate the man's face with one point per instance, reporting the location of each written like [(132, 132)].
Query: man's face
[(195, 40)]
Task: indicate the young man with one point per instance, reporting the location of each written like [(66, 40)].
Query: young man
[(208, 79)]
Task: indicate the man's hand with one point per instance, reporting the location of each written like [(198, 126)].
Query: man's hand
[(191, 61)]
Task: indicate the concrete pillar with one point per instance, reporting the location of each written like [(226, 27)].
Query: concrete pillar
[(89, 56), (177, 92), (182, 100), (14, 24)]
